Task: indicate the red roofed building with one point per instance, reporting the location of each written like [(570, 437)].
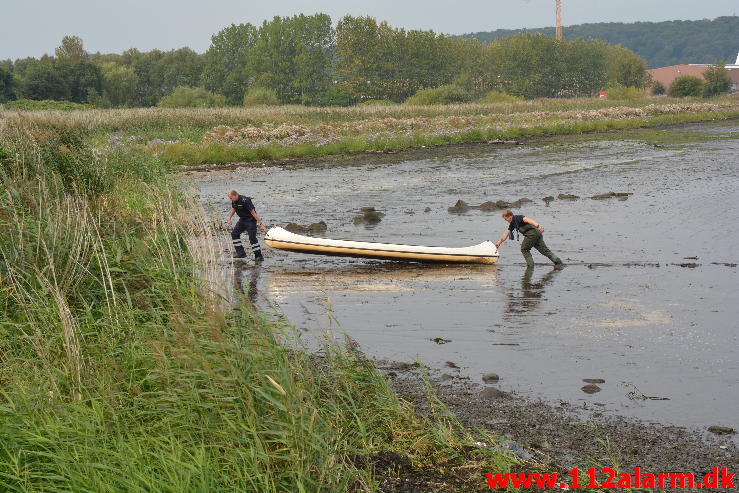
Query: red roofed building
[(666, 75)]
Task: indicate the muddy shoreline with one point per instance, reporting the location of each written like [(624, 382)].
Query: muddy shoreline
[(413, 153), (565, 436)]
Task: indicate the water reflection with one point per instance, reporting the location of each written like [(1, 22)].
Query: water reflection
[(248, 289), (377, 277), (532, 293)]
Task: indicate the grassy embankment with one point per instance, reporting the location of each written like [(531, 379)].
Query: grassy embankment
[(189, 137), (122, 368)]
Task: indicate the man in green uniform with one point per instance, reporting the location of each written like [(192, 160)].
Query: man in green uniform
[(533, 237)]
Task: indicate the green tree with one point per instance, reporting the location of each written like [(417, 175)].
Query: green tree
[(685, 85), (71, 49), (119, 84), (376, 61), (717, 80), (627, 68), (43, 81), (658, 88), (361, 63), (292, 55), (159, 73), (7, 84), (227, 59), (81, 76)]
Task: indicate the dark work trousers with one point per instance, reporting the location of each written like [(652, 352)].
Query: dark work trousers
[(534, 239), (250, 226)]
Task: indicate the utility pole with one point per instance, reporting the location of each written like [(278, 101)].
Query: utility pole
[(559, 19)]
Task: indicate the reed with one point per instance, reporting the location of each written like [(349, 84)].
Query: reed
[(123, 366), (222, 135)]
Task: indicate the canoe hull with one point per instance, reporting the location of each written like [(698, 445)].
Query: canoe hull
[(485, 253)]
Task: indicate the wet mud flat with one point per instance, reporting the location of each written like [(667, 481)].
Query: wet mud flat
[(562, 436), (647, 303)]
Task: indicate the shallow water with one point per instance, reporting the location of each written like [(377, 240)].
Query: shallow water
[(648, 301)]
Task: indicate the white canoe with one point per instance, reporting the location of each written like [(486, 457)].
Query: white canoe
[(484, 253)]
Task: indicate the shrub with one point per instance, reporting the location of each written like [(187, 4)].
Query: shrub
[(717, 80), (191, 97), (498, 97), (622, 92), (686, 85), (658, 88), (377, 102), (47, 104), (335, 97), (261, 96), (448, 94)]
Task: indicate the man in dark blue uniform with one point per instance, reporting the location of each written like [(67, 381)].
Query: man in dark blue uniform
[(533, 237), (248, 220)]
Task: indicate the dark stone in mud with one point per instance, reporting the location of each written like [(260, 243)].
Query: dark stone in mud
[(488, 206), (591, 388), (459, 207), (724, 264), (445, 377), (721, 430), (451, 364), (492, 393), (688, 265), (593, 380), (319, 227), (490, 378), (548, 199), (401, 365), (567, 196), (611, 195), (439, 340), (369, 216), (427, 209)]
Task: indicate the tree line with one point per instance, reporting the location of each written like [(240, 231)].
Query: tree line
[(305, 60), (660, 43)]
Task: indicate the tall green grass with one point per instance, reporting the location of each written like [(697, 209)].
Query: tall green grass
[(123, 366)]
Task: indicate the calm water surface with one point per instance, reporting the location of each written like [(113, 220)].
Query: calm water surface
[(649, 301)]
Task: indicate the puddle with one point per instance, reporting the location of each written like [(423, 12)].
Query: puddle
[(629, 309)]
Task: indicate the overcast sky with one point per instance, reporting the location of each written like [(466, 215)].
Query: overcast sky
[(35, 27)]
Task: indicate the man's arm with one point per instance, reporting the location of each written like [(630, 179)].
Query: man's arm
[(230, 215), (254, 214), (533, 223), (503, 238)]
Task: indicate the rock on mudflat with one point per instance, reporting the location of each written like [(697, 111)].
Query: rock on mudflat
[(451, 364), (319, 227), (590, 388), (567, 196), (611, 195), (492, 393), (427, 209), (593, 380), (445, 377), (369, 216), (460, 207), (490, 378), (721, 430)]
